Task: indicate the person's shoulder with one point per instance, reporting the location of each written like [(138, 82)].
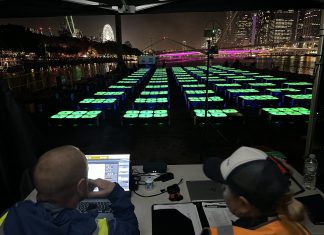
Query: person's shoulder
[(24, 204)]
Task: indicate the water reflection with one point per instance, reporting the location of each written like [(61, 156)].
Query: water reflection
[(292, 64), (41, 78)]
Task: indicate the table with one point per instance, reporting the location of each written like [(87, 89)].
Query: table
[(138, 117), (298, 100), (256, 101), (92, 117), (187, 173), (200, 102), (217, 115), (143, 205)]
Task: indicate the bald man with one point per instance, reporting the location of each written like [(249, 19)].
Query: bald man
[(61, 181)]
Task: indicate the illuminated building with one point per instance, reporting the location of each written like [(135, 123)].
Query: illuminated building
[(282, 26), (263, 27), (311, 24), (227, 40), (243, 30)]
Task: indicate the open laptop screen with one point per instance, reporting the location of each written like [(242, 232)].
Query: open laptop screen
[(112, 167)]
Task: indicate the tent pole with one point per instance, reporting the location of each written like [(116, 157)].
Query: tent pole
[(315, 91), (207, 76)]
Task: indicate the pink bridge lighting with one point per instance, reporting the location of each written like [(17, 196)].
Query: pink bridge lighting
[(231, 52)]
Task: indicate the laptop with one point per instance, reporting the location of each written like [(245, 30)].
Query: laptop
[(112, 167), (205, 190)]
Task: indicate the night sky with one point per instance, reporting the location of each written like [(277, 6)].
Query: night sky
[(140, 30)]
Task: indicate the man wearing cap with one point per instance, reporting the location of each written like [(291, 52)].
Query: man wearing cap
[(256, 189)]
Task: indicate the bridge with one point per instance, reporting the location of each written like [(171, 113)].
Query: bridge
[(279, 49)]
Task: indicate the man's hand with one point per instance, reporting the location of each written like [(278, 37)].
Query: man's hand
[(105, 188)]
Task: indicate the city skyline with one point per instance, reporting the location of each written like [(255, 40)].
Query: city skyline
[(247, 29), (140, 30)]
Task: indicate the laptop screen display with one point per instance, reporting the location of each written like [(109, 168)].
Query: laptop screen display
[(112, 167)]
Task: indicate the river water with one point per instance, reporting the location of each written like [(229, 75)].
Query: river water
[(42, 78), (292, 64)]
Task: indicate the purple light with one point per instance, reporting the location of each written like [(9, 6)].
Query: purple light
[(231, 52), (178, 60), (180, 54), (240, 51)]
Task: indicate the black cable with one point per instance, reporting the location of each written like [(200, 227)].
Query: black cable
[(149, 195), (162, 191)]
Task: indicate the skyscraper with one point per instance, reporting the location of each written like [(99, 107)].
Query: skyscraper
[(282, 27), (228, 37), (300, 25), (262, 36), (311, 24), (243, 31)]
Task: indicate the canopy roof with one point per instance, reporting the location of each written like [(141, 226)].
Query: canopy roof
[(48, 8)]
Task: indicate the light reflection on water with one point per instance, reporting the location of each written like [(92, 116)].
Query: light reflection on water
[(292, 64), (43, 78)]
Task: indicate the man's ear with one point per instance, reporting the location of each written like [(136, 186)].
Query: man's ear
[(82, 187), (245, 205)]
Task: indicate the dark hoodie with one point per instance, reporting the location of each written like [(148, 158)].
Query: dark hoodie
[(28, 218)]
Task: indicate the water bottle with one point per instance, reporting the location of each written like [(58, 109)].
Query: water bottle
[(310, 169)]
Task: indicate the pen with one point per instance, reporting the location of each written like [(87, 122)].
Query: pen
[(216, 206)]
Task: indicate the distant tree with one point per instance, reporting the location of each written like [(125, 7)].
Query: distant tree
[(128, 43), (18, 38)]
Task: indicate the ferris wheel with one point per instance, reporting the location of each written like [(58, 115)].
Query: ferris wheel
[(108, 33)]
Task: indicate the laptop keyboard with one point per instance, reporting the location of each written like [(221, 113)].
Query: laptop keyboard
[(100, 206)]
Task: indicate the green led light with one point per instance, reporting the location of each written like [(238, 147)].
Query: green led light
[(74, 116), (160, 111), (299, 109), (79, 112), (145, 115), (263, 76), (194, 86), (58, 116), (107, 93), (300, 97), (278, 113), (259, 97), (299, 83), (86, 101), (140, 100), (146, 111), (127, 82), (218, 115), (65, 112), (230, 111), (242, 91), (235, 76), (228, 85), (133, 112), (160, 115), (130, 115), (96, 112), (157, 86), (262, 84), (88, 116), (275, 79), (119, 87), (203, 114), (215, 111)]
